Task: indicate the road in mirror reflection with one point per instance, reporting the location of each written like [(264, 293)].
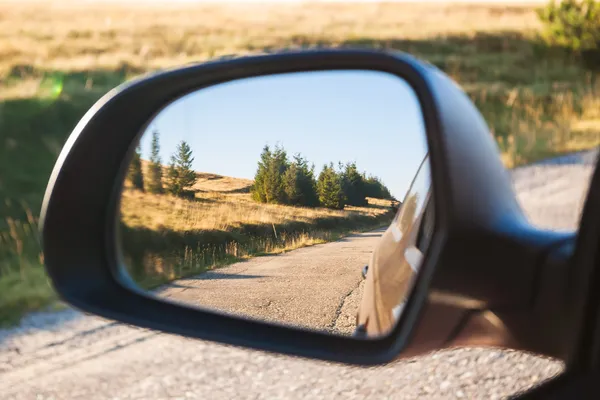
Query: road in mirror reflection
[(265, 197)]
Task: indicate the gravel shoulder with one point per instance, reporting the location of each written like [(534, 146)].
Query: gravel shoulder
[(68, 355)]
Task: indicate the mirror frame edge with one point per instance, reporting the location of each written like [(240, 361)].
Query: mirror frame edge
[(95, 298)]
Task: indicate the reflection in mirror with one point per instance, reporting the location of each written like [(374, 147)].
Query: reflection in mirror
[(299, 198)]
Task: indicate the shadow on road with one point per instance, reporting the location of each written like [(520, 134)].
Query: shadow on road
[(376, 233), (373, 234), (218, 275)]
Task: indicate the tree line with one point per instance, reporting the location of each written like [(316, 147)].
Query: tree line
[(280, 180), (180, 176)]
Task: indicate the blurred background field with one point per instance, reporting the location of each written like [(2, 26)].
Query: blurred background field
[(58, 58)]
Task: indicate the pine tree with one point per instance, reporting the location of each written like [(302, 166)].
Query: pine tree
[(309, 184), (180, 175), (135, 174), (376, 189), (293, 194), (329, 188), (268, 182), (299, 183), (258, 188), (275, 172), (353, 185), (155, 168)]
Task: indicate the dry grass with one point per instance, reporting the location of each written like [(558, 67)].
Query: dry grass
[(224, 203), (217, 183), (532, 135), (209, 182), (92, 36), (224, 212), (484, 47)]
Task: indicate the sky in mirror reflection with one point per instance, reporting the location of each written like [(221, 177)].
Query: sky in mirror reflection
[(370, 117)]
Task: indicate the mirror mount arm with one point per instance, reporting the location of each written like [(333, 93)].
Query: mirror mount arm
[(545, 324)]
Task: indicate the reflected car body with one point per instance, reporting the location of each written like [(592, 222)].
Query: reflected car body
[(396, 259)]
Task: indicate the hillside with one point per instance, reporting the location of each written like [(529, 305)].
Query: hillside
[(165, 237), (209, 182), (219, 210)]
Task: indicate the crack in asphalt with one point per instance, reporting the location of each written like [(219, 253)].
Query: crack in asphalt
[(332, 327)]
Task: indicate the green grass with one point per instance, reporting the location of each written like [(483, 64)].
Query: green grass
[(55, 64), (23, 293)]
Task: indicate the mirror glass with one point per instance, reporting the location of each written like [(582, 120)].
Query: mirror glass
[(300, 198)]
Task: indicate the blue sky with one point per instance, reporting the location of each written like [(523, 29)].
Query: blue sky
[(369, 117)]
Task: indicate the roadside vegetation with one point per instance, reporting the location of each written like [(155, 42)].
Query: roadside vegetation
[(176, 222), (531, 74), (281, 181)]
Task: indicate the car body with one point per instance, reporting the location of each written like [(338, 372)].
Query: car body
[(395, 261)]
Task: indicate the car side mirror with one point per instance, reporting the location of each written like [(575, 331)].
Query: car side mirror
[(113, 244)]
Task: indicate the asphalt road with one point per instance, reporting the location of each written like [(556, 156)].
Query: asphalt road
[(67, 355), (316, 287)]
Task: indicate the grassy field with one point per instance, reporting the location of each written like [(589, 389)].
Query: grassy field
[(55, 63), (165, 237)]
